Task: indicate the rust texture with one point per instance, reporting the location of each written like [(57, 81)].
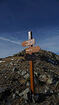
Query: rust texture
[(31, 76)]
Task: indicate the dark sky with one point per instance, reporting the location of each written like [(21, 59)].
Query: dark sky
[(17, 17)]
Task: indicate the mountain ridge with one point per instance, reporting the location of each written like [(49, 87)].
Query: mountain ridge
[(15, 78)]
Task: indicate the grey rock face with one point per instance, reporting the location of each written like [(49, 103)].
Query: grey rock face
[(26, 76), (15, 79)]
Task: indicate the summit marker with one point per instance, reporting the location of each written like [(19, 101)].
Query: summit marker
[(30, 50)]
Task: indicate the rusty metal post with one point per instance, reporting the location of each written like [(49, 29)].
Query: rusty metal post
[(31, 67), (31, 76)]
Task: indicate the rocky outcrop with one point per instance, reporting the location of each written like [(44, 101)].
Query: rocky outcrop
[(15, 79)]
